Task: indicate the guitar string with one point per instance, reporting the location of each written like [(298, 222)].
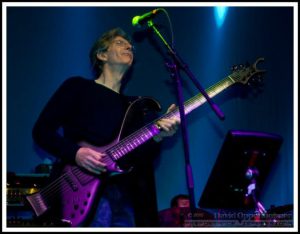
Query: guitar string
[(53, 196), (52, 187), (129, 138), (49, 193), (77, 169)]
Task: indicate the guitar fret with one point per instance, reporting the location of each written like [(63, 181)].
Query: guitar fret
[(148, 134), (129, 146), (123, 150), (113, 154), (119, 154), (136, 142), (116, 153), (142, 137)]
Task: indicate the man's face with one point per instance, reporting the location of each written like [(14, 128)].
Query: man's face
[(183, 202), (119, 52)]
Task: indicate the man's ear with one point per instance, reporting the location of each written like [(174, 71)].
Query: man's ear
[(102, 56)]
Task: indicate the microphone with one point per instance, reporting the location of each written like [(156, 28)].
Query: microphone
[(139, 20)]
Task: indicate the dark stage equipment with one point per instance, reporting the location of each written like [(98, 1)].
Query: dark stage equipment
[(240, 171)]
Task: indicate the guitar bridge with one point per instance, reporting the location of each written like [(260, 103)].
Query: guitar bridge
[(37, 203)]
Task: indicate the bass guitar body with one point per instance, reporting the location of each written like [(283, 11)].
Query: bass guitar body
[(73, 196)]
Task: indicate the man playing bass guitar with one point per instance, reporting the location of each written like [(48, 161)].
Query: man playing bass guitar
[(81, 125)]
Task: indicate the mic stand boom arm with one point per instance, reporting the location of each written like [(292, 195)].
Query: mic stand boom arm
[(175, 74), (186, 69)]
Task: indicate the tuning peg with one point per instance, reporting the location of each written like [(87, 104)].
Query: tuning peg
[(234, 67), (241, 67)]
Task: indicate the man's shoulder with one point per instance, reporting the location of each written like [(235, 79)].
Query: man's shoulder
[(77, 79)]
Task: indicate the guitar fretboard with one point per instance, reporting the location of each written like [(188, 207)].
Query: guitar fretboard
[(144, 134)]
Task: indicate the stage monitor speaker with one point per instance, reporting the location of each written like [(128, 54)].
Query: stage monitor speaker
[(244, 156)]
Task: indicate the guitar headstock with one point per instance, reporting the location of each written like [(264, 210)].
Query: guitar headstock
[(247, 73)]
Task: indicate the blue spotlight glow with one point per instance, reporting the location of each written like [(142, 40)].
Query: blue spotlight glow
[(220, 15)]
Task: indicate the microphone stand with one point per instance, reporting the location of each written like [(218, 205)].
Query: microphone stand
[(174, 69)]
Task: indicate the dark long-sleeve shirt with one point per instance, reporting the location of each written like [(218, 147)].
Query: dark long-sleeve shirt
[(85, 111)]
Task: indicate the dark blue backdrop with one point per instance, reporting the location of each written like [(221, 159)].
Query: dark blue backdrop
[(45, 45)]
